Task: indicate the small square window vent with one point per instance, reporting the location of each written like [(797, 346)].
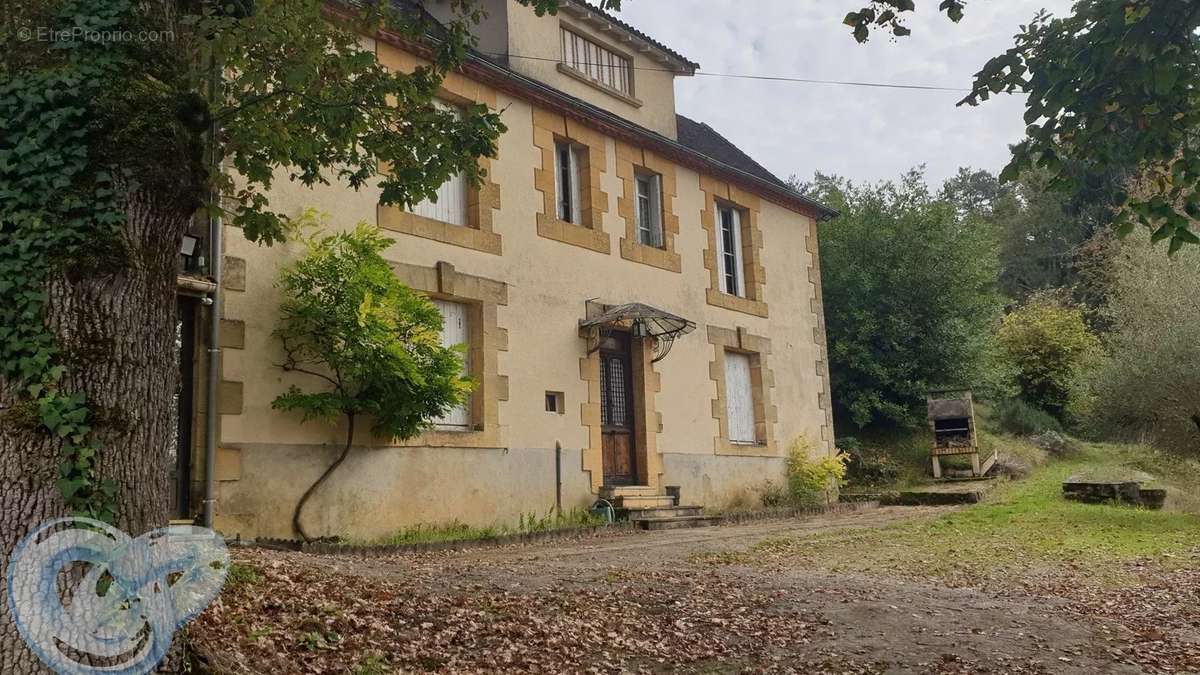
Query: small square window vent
[(554, 402)]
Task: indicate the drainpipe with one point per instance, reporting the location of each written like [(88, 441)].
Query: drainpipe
[(558, 477), (215, 230)]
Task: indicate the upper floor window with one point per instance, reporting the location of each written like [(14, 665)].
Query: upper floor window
[(599, 64), (452, 197), (568, 160), (649, 209), (729, 243)]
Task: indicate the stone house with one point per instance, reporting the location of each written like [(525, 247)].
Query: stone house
[(631, 287)]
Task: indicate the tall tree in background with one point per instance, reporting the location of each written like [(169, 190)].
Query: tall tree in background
[(975, 192), (910, 296), (1045, 234)]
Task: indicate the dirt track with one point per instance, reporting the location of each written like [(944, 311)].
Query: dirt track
[(656, 602)]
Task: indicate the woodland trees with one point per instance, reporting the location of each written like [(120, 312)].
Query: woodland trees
[(1147, 387), (909, 293)]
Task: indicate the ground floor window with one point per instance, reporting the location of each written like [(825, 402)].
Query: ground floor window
[(739, 398), (456, 330)]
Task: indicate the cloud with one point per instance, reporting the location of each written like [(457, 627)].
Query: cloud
[(861, 133)]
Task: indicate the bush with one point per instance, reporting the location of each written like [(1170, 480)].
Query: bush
[(1048, 344), (1056, 444), (867, 466), (813, 481), (1018, 417), (1147, 389)]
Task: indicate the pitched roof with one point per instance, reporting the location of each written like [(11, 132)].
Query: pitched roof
[(696, 145), (687, 63), (704, 139)]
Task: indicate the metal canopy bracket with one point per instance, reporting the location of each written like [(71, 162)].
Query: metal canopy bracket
[(641, 321)]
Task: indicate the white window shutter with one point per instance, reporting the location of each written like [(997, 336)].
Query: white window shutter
[(739, 264), (451, 204), (656, 211), (721, 252), (558, 181), (577, 184), (455, 331), (739, 398)]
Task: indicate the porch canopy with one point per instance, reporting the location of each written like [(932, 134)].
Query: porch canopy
[(642, 321)]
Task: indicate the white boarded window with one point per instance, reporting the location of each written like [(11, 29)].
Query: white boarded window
[(739, 398), (729, 250), (451, 203), (597, 63), (567, 162), (649, 209), (456, 330)]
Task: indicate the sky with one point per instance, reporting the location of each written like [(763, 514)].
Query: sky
[(860, 133)]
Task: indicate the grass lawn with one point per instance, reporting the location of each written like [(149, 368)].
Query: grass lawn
[(1022, 526)]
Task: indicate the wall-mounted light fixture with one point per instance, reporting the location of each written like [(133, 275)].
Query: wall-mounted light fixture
[(190, 249)]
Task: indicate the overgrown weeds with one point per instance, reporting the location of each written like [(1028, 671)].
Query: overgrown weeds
[(1019, 418), (527, 523)]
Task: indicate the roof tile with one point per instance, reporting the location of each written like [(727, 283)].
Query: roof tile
[(704, 139)]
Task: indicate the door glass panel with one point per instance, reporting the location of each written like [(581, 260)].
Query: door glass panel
[(614, 404)]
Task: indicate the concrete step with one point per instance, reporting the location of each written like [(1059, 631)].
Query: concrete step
[(677, 523), (643, 502), (611, 492), (659, 512)]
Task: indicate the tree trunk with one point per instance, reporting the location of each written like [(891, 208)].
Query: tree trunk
[(115, 325), (296, 524)]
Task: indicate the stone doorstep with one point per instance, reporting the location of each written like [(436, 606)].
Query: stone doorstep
[(644, 502), (677, 523), (611, 492), (659, 512)]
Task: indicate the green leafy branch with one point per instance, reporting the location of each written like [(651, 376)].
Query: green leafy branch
[(1114, 84)]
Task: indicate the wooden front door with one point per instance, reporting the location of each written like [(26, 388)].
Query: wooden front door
[(616, 412)]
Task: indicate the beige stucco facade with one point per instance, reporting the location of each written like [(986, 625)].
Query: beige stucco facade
[(528, 285)]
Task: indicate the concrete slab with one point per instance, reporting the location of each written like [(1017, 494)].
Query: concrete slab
[(1136, 488), (942, 494)]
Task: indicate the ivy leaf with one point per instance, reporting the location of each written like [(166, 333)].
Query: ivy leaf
[(69, 487)]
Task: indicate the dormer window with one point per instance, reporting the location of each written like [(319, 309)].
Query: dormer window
[(598, 64)]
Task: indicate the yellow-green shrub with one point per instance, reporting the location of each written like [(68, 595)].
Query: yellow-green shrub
[(1047, 343), (812, 480)]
